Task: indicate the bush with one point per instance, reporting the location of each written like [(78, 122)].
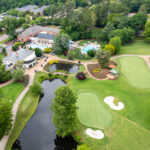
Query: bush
[(91, 53), (81, 76), (47, 50), (18, 74), (53, 62), (4, 50), (38, 52), (110, 48), (36, 89), (14, 47), (83, 147)]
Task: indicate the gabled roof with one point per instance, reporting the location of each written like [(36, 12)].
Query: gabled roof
[(36, 29), (19, 55)]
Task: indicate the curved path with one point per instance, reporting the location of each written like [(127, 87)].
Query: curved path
[(6, 83), (31, 73)]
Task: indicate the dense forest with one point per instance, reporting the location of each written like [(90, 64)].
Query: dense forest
[(132, 5)]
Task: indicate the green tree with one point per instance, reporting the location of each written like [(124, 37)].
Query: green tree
[(61, 44), (47, 50), (36, 89), (83, 147), (18, 74), (4, 50), (116, 42), (6, 119), (38, 52), (64, 111), (146, 33), (103, 58), (91, 53), (110, 48)]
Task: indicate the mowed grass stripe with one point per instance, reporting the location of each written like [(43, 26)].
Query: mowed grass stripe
[(91, 112), (136, 71)]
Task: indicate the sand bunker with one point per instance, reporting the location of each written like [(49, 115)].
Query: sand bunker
[(109, 100), (98, 134)]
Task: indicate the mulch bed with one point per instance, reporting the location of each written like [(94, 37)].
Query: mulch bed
[(99, 75)]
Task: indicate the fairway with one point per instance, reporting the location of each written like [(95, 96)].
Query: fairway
[(140, 47), (136, 71), (91, 112)]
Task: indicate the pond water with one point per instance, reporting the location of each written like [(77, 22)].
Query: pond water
[(66, 67), (39, 132)]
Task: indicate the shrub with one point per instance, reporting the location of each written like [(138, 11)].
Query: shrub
[(18, 74), (53, 62), (14, 47), (4, 50), (91, 53), (38, 52), (47, 50), (83, 147), (110, 48), (81, 76), (36, 89)]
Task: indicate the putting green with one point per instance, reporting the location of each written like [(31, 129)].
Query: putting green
[(91, 112), (136, 71)]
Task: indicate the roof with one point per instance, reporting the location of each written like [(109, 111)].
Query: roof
[(46, 36), (18, 56), (36, 29), (27, 8)]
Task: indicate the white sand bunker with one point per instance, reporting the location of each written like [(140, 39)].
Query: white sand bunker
[(98, 134), (110, 101)]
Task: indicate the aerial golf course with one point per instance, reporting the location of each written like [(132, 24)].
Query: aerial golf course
[(128, 128)]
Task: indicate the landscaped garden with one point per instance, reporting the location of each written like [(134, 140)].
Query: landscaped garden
[(128, 129), (139, 47)]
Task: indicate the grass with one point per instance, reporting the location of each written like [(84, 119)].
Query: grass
[(11, 92), (139, 47), (130, 127), (135, 71), (81, 68), (98, 116), (2, 56)]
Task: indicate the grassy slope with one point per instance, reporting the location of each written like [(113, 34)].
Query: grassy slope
[(136, 71), (140, 47), (26, 109), (11, 92), (98, 116), (1, 56), (130, 127)]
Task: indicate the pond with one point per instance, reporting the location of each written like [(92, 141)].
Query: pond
[(39, 132), (66, 67)]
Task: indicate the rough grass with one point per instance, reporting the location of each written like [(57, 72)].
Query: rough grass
[(139, 47), (11, 92), (136, 71), (130, 128), (98, 116), (1, 56)]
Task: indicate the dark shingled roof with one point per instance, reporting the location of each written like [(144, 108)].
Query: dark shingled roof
[(46, 36)]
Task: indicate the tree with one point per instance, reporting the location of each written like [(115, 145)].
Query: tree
[(6, 119), (116, 42), (146, 33), (103, 58), (4, 50), (81, 76), (83, 147), (110, 48), (61, 44), (106, 31), (38, 52), (5, 75), (64, 111), (47, 50), (18, 74), (91, 53), (36, 89)]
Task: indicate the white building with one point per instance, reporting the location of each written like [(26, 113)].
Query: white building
[(27, 56)]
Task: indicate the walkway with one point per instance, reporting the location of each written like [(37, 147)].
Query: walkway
[(4, 140), (31, 73), (6, 83)]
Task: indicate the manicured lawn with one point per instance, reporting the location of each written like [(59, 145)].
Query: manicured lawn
[(136, 71), (81, 68), (139, 47), (98, 116), (1, 56), (11, 92), (130, 127)]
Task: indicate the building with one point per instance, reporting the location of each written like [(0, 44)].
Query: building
[(34, 31), (27, 56), (32, 8)]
